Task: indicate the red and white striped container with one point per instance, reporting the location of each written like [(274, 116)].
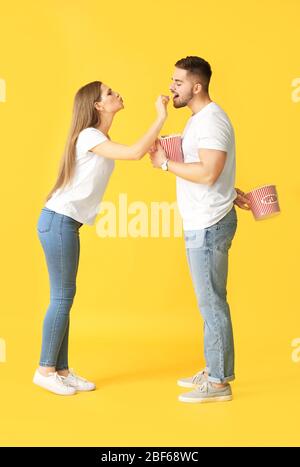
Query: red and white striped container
[(172, 144), (263, 202)]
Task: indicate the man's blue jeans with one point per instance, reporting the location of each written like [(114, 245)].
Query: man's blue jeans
[(207, 254), (59, 236)]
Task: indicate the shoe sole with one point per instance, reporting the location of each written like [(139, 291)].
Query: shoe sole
[(85, 390), (54, 392), (207, 399)]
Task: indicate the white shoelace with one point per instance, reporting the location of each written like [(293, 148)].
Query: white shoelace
[(198, 376), (60, 379), (72, 376), (204, 387)]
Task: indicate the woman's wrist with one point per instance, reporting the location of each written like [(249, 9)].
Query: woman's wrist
[(161, 119)]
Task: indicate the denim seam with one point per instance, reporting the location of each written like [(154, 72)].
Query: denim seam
[(221, 359), (62, 274), (207, 280), (66, 366), (188, 258), (220, 343), (221, 349), (53, 331)]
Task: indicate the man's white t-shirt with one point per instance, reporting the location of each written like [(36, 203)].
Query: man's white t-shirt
[(81, 198), (201, 205)]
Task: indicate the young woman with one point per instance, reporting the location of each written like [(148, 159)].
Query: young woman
[(84, 172)]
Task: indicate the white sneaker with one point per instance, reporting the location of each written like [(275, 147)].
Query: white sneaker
[(54, 383), (77, 382)]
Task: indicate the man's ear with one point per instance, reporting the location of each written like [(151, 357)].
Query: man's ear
[(197, 88)]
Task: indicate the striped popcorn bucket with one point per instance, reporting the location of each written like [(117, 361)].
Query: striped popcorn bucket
[(263, 202), (172, 145)]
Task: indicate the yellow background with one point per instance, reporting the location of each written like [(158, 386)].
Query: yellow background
[(135, 325)]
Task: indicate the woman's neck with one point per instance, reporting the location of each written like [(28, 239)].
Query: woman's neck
[(105, 124)]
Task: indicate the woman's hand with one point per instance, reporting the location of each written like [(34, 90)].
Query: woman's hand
[(161, 106), (157, 154), (241, 201)]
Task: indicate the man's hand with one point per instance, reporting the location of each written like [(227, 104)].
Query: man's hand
[(157, 154), (241, 201)]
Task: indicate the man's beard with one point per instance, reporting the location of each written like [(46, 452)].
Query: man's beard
[(182, 102)]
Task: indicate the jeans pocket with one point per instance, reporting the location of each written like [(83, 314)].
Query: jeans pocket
[(194, 238), (45, 221)]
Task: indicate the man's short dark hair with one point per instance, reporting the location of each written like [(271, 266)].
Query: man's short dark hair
[(196, 66)]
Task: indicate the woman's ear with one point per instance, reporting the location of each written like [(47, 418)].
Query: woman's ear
[(98, 106)]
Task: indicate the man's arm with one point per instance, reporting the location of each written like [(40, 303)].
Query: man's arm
[(206, 171), (178, 168)]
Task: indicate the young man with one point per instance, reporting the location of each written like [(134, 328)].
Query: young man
[(206, 198)]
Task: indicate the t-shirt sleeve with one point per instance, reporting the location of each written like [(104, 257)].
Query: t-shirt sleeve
[(213, 134), (89, 138)]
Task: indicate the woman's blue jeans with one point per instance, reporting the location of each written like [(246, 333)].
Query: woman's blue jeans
[(59, 236), (207, 254)]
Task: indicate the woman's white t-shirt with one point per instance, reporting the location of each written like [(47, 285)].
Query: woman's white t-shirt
[(81, 198), (202, 205)]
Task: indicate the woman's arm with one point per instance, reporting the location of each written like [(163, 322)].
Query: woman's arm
[(113, 150)]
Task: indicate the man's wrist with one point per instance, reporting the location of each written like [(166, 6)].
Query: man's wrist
[(164, 165)]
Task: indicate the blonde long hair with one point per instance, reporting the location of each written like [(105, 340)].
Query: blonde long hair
[(84, 115)]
